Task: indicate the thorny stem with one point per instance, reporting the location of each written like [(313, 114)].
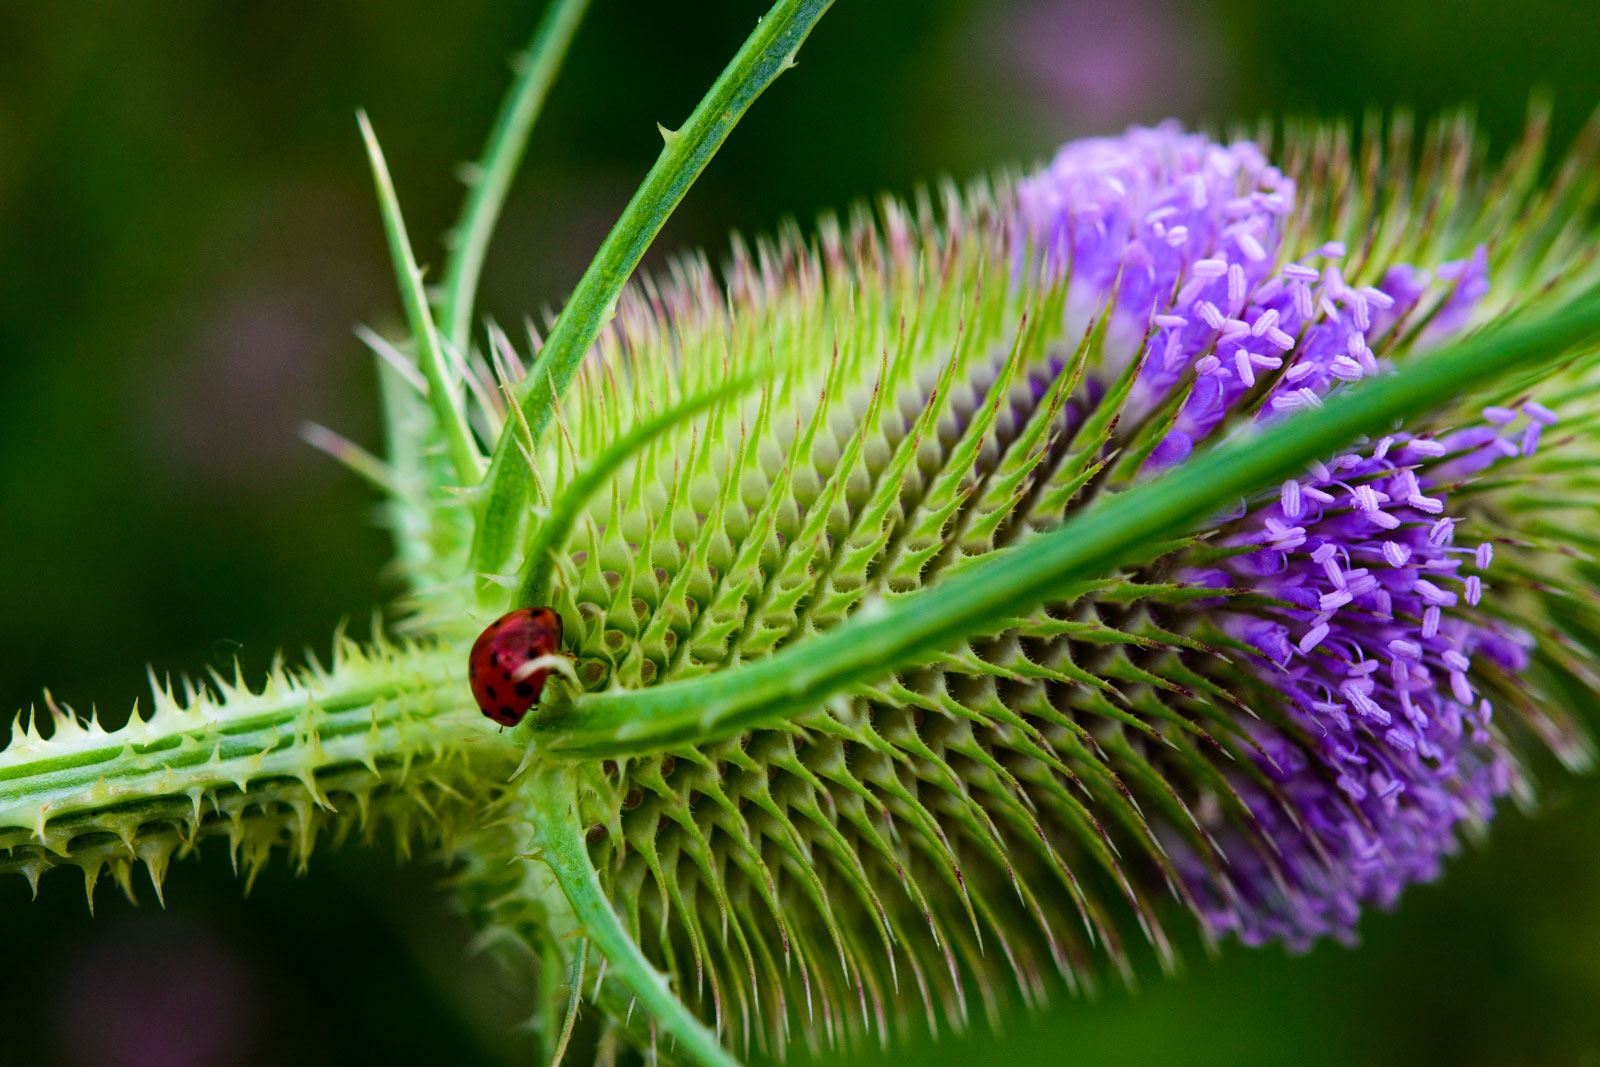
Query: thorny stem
[(882, 636), (374, 721), (555, 812), (766, 53), (491, 177)]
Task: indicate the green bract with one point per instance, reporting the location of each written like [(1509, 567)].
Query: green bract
[(889, 699)]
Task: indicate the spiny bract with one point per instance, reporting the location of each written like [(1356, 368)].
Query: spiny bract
[(1269, 725)]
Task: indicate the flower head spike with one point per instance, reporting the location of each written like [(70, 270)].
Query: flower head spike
[(843, 746)]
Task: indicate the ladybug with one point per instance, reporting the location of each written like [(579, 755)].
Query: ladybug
[(498, 668)]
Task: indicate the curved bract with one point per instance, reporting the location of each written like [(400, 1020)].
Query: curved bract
[(966, 599)]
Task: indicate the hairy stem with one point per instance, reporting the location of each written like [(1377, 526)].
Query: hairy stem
[(536, 69), (885, 635), (766, 53), (555, 811)]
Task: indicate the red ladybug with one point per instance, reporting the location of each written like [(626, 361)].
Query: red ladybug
[(499, 669)]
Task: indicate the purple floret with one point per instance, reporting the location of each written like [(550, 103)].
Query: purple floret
[(1373, 655), (1370, 636)]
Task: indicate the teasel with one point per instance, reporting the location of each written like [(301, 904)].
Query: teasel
[(967, 599)]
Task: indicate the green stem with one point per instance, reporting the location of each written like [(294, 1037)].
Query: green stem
[(555, 811), (536, 69), (884, 636), (447, 409), (766, 53)]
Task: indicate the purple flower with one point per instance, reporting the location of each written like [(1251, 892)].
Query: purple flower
[(1362, 626), (1372, 652)]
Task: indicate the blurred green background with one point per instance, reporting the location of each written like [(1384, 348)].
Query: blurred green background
[(187, 235)]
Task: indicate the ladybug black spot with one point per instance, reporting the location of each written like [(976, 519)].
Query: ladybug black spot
[(524, 690), (494, 659), (492, 694), (507, 711)]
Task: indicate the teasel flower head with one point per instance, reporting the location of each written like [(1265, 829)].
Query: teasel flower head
[(1272, 724), (809, 776)]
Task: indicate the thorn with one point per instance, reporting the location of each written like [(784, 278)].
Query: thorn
[(155, 856), (122, 871), (670, 137), (391, 355), (345, 451), (91, 874), (31, 869)]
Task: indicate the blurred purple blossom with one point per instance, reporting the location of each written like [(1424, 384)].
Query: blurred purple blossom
[(167, 994), (1097, 63)]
